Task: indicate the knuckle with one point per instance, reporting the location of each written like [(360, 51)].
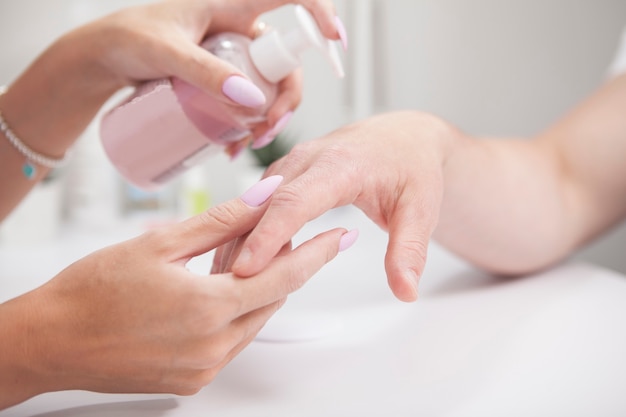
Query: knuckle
[(224, 215), (338, 156), (300, 152), (289, 196), (335, 151)]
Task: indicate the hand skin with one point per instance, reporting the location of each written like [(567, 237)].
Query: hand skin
[(55, 99), (509, 206), (131, 318)]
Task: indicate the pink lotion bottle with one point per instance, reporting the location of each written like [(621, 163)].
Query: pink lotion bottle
[(168, 126)]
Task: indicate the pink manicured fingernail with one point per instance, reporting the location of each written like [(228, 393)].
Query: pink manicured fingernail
[(261, 191), (243, 91), (269, 136), (264, 140), (282, 122), (341, 30), (348, 239)]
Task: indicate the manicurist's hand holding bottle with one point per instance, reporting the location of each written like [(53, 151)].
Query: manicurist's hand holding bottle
[(169, 125)]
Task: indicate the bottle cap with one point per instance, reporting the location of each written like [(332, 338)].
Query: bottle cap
[(276, 55)]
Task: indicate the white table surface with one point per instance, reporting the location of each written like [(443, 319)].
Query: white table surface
[(551, 344)]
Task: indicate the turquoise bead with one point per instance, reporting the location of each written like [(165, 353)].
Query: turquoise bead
[(29, 170)]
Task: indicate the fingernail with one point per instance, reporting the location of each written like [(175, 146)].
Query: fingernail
[(261, 191), (264, 140), (282, 122), (413, 278), (271, 134), (341, 30), (243, 91), (348, 239)]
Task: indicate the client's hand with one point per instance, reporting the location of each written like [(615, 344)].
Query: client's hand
[(390, 166)]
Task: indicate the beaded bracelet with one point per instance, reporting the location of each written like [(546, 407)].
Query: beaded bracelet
[(32, 157)]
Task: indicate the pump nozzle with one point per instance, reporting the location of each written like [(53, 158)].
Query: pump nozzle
[(276, 55)]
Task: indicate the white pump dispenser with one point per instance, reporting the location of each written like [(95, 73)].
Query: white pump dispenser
[(276, 55), (168, 126)]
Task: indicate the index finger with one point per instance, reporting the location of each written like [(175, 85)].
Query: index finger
[(218, 225), (311, 194)]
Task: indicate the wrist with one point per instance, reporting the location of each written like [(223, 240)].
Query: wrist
[(80, 74), (444, 139), (86, 51), (20, 332), (58, 95)]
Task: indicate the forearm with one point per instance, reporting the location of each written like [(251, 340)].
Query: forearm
[(514, 206), (48, 107), (503, 207), (18, 339)]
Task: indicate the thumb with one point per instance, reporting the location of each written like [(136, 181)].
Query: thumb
[(196, 68), (220, 224), (410, 228)]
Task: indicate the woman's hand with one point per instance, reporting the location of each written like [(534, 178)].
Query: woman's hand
[(391, 166), (161, 40), (55, 99), (132, 318)]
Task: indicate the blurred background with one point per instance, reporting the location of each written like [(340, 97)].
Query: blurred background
[(492, 67)]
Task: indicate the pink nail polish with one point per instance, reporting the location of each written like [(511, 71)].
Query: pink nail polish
[(341, 30), (264, 140), (261, 191), (271, 134), (348, 239), (168, 125), (243, 91), (282, 123)]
